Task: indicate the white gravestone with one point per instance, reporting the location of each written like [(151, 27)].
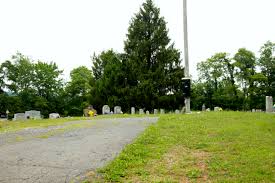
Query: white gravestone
[(54, 116), (147, 112), (106, 109), (133, 110), (141, 111), (33, 114), (155, 111), (203, 108), (19, 116), (177, 111), (268, 104), (117, 110), (217, 109), (162, 111)]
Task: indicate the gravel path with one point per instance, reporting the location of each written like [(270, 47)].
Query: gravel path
[(65, 156)]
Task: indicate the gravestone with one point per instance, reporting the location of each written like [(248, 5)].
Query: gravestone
[(217, 109), (253, 110), (162, 111), (141, 111), (19, 116), (203, 108), (183, 110), (208, 110), (147, 112), (268, 104), (86, 112), (133, 110), (259, 110), (177, 111), (117, 110), (106, 110), (155, 111), (54, 116), (33, 114)]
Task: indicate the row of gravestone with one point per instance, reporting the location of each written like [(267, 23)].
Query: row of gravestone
[(156, 111), (117, 110), (107, 110), (269, 106), (33, 115)]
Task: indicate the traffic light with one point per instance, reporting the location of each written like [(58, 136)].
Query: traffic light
[(186, 83)]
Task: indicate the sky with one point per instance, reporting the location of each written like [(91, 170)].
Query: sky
[(68, 32)]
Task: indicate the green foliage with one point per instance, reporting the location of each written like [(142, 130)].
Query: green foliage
[(109, 84), (30, 85), (238, 83), (78, 91), (152, 61), (267, 64), (148, 74)]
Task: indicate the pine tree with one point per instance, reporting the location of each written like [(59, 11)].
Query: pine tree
[(152, 61)]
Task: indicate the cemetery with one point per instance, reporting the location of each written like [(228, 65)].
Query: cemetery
[(139, 114)]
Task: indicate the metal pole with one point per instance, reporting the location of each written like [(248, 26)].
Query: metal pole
[(186, 56)]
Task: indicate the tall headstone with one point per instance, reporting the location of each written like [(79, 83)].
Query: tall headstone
[(155, 111), (106, 109), (141, 111), (162, 111), (147, 112), (268, 104), (203, 108), (133, 110), (117, 110)]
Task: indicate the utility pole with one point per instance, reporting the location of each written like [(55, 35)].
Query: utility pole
[(186, 56)]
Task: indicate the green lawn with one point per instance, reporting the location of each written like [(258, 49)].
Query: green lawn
[(11, 126), (206, 147)]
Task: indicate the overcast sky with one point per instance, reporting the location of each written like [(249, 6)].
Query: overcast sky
[(68, 32)]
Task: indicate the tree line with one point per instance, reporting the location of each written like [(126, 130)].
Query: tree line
[(148, 74), (240, 82)]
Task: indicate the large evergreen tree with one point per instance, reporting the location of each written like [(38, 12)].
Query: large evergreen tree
[(152, 61)]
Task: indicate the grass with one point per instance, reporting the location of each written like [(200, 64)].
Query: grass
[(206, 147), (12, 126)]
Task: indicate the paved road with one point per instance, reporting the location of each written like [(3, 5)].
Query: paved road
[(65, 156)]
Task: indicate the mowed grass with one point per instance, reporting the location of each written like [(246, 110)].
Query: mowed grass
[(12, 126), (206, 147)]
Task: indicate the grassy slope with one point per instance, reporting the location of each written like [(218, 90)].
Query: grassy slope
[(207, 147)]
